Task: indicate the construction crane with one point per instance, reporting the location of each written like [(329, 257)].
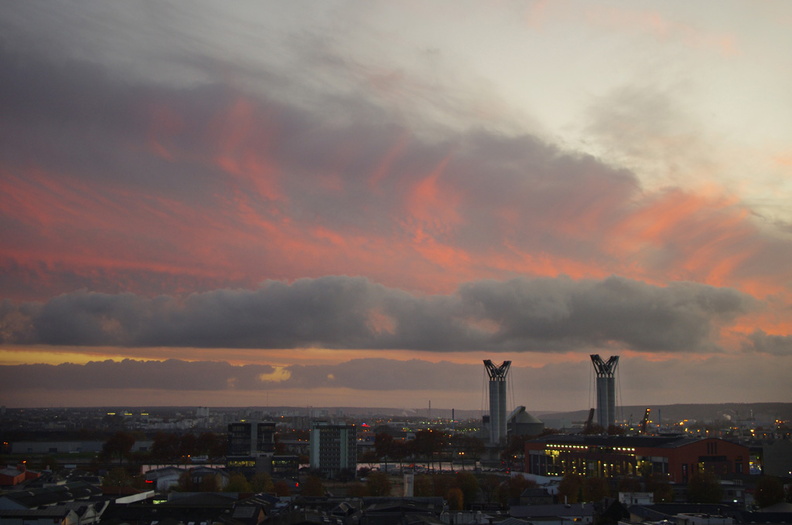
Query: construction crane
[(645, 421), (587, 425)]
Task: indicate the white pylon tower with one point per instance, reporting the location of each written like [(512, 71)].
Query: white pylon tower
[(497, 399), (606, 389)]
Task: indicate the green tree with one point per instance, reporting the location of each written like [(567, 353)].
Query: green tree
[(427, 444), (595, 489), (210, 483), (187, 483), (441, 483), (313, 487), (511, 489), (378, 484), (704, 488), (282, 489), (630, 484), (262, 482), (570, 488), (469, 485), (188, 446), (489, 486), (660, 487), (211, 444), (470, 448), (769, 491), (382, 445), (357, 490), (164, 447), (455, 499), (423, 487), (117, 477), (118, 445), (49, 462), (594, 428), (518, 484), (237, 482), (398, 451)]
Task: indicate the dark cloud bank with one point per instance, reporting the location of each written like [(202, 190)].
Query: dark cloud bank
[(178, 375), (642, 381), (539, 315)]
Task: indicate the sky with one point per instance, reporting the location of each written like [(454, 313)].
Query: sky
[(354, 203)]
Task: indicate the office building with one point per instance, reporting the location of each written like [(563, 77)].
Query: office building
[(251, 445), (333, 449), (678, 457)]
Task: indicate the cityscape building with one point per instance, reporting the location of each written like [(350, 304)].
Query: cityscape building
[(333, 448), (251, 438), (677, 457), (521, 423), (251, 445)]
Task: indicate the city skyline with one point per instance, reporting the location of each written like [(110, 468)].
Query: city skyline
[(355, 203)]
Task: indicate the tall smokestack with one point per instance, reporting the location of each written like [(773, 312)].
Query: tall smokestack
[(606, 389), (497, 399)]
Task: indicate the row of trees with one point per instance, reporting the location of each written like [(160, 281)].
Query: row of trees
[(703, 487), (165, 447), (430, 446)]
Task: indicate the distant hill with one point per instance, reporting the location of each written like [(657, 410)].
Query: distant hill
[(702, 412), (762, 413)]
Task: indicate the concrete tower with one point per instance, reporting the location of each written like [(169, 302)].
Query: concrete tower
[(606, 389), (497, 399)]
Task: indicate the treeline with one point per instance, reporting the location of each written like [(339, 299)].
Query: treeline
[(166, 447)]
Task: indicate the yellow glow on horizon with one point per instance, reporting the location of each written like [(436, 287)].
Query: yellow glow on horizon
[(52, 357), (278, 375), (280, 359)]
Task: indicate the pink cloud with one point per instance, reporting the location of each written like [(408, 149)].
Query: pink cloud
[(662, 28)]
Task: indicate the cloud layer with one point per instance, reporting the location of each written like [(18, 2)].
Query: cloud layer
[(539, 315), (383, 383), (114, 185)]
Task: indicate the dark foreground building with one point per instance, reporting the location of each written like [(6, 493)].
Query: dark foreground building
[(607, 456)]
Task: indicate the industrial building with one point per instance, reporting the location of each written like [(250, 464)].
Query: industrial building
[(521, 423), (333, 448), (679, 457)]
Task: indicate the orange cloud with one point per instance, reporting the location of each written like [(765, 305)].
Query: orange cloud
[(433, 203), (705, 237), (243, 137), (383, 169)]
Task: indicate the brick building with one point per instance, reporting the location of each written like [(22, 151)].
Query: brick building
[(610, 456)]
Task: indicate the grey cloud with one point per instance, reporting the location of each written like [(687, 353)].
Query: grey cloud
[(761, 342), (641, 381), (82, 117), (557, 314), (175, 375), (387, 374), (16, 322), (170, 375), (521, 315)]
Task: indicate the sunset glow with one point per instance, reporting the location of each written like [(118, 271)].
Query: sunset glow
[(297, 214)]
